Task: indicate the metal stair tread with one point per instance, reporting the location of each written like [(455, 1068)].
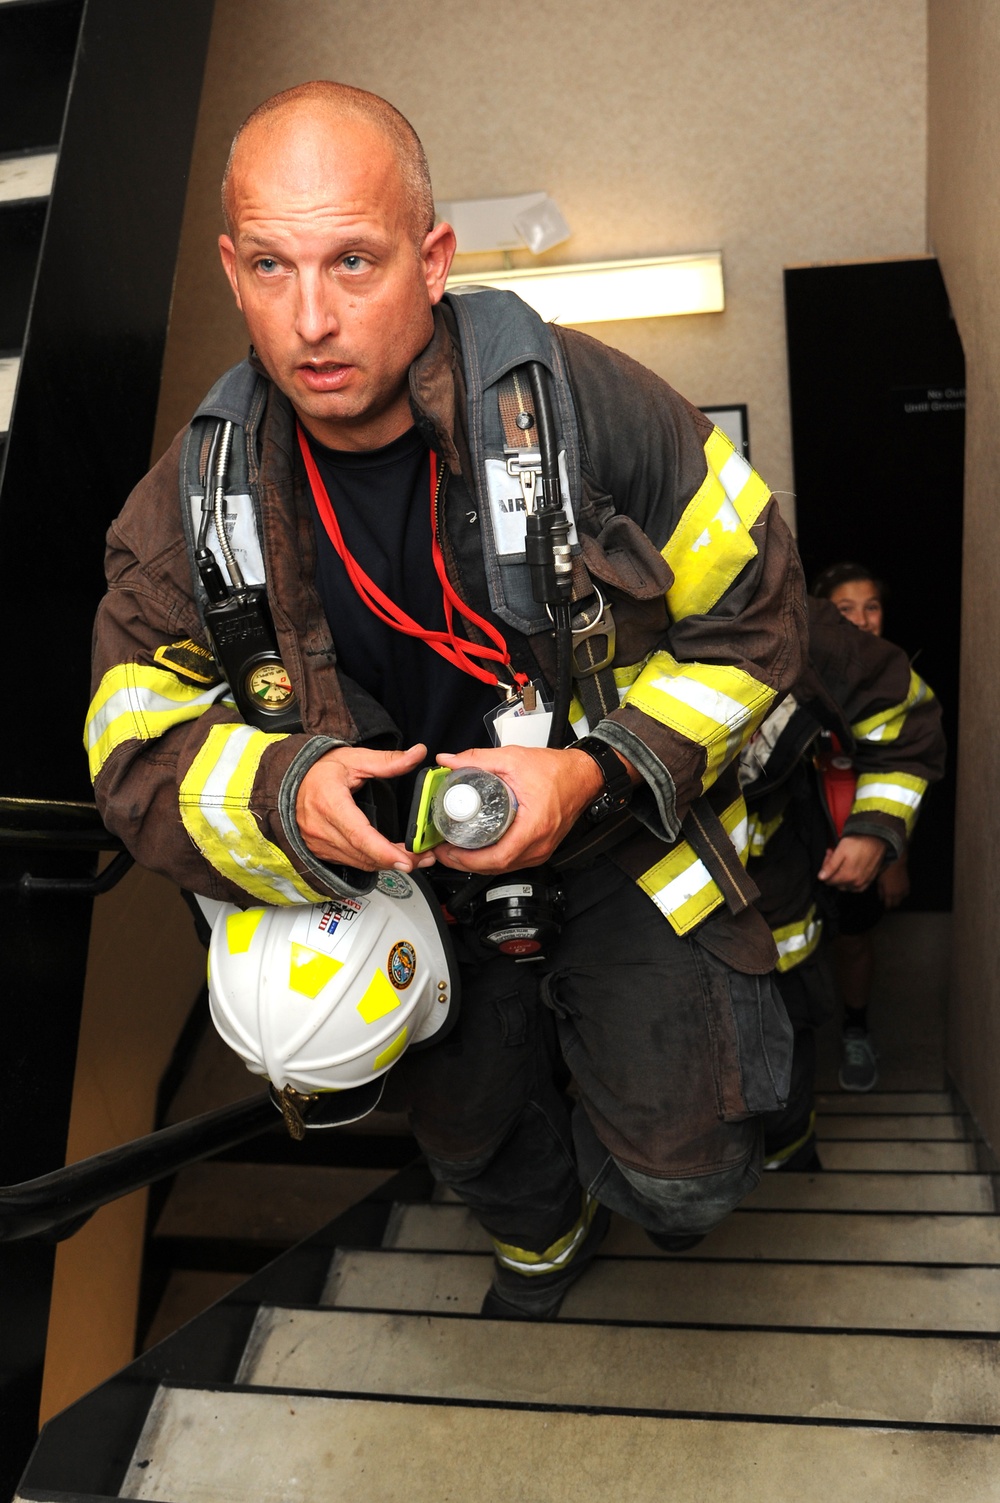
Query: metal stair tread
[(817, 1296), (874, 1191), (877, 1126), (27, 175), (9, 367), (215, 1445), (851, 1102), (799, 1236), (920, 1157), (888, 1379)]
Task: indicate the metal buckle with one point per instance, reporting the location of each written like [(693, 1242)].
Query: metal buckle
[(603, 625), (525, 466)]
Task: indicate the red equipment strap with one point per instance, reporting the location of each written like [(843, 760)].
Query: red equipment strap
[(456, 650)]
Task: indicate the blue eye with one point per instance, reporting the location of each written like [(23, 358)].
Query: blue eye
[(267, 264), (353, 263)]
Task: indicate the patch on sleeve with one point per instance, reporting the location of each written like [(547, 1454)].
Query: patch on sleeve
[(189, 661)]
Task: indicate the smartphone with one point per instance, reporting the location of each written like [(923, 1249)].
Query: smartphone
[(422, 834)]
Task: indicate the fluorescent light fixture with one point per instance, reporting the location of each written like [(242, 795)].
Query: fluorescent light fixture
[(599, 291)]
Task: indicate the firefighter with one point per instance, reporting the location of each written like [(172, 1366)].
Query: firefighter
[(376, 495), (834, 780)]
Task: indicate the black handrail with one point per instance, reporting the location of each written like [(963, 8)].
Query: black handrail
[(46, 825), (54, 825), (56, 1205)]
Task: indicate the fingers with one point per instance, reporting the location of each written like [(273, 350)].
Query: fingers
[(362, 762)]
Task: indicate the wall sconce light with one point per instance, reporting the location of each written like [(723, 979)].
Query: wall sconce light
[(595, 292)]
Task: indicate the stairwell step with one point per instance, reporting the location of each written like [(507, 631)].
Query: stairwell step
[(279, 1203), (806, 1236), (9, 367), (862, 1191), (208, 1446), (886, 1378), (830, 1296), (923, 1158), (892, 1102), (27, 176), (879, 1125)]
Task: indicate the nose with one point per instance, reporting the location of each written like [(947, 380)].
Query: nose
[(315, 315)]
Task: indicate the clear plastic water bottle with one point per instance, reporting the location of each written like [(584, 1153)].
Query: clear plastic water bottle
[(472, 808)]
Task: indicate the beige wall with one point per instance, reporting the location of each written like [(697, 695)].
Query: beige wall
[(144, 969), (780, 131), (964, 226)]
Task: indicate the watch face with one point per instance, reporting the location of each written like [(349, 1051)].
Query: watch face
[(269, 685)]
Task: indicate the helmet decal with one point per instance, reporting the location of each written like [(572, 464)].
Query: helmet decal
[(395, 1049), (394, 885), (309, 970), (241, 928), (402, 964), (378, 999)]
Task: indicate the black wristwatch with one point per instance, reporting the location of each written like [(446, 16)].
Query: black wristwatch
[(617, 783)]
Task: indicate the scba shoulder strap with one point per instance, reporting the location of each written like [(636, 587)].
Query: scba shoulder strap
[(499, 334), (220, 511)]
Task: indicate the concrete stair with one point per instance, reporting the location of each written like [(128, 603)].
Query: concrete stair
[(835, 1340)]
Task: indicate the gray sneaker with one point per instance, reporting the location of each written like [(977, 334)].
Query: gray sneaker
[(858, 1071)]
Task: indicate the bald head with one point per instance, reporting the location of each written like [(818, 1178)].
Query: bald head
[(326, 106)]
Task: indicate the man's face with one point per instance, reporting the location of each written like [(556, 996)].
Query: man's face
[(859, 600), (335, 292)]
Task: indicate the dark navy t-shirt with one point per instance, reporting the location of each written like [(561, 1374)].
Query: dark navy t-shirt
[(381, 498)]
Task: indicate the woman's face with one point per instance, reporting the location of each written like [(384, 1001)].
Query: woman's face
[(859, 600)]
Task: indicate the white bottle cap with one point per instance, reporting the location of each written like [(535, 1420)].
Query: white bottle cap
[(461, 802)]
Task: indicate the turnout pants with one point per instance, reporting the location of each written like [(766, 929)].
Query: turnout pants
[(630, 1064)]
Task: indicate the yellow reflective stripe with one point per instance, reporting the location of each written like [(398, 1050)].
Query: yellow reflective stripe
[(716, 705), (895, 793), (796, 942), (761, 831), (135, 702), (624, 679), (214, 802), (784, 1154), (680, 884), (557, 1256), (711, 543), (887, 724)]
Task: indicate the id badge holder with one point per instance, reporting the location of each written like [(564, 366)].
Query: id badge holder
[(524, 721)]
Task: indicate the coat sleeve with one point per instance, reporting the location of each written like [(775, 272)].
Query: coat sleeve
[(734, 640), (895, 722), (193, 791)]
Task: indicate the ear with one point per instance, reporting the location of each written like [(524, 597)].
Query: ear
[(227, 251), (436, 253)]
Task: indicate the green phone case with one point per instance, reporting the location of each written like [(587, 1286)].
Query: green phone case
[(422, 834)]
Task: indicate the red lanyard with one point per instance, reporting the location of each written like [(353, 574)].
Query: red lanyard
[(455, 650)]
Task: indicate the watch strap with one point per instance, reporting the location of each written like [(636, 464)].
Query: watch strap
[(617, 783)]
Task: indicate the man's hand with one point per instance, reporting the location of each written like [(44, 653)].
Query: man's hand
[(894, 882), (552, 787), (854, 863), (330, 822)]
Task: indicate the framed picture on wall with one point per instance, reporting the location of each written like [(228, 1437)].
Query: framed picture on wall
[(733, 422)]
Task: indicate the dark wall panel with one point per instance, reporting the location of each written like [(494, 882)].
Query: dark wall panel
[(877, 382), (81, 429)]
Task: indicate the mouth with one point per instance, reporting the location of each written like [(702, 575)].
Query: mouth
[(325, 375)]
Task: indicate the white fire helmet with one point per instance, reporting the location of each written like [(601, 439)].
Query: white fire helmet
[(325, 998)]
